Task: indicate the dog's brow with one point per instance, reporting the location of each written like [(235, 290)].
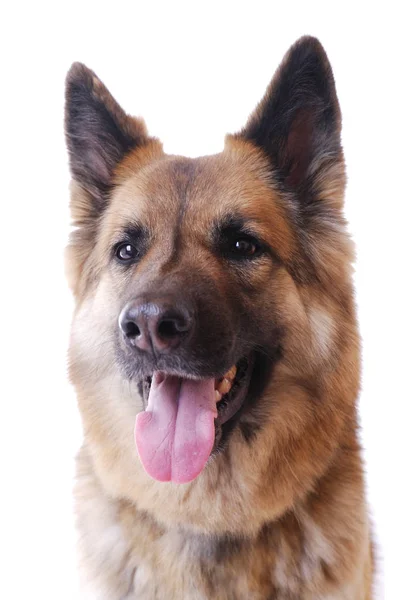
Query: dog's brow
[(132, 231), (239, 223)]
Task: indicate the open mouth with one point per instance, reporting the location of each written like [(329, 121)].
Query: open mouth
[(185, 419), (231, 390)]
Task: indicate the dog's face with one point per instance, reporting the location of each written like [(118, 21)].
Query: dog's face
[(188, 257), (203, 282)]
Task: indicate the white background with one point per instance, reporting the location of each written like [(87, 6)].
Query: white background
[(194, 70)]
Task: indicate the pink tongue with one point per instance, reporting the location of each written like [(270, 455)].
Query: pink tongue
[(175, 435)]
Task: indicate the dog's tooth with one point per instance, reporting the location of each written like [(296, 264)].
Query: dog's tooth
[(231, 373), (224, 386)]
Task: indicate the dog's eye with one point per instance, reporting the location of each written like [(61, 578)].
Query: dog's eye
[(126, 252), (245, 247), (241, 246)]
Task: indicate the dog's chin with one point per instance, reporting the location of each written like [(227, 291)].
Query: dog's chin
[(249, 376)]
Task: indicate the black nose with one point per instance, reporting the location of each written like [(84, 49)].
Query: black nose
[(159, 325)]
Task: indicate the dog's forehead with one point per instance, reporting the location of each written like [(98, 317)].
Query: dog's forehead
[(196, 191)]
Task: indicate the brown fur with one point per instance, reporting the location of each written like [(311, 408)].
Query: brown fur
[(280, 513)]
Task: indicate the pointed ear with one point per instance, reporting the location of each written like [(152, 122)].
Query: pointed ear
[(298, 123), (99, 133)]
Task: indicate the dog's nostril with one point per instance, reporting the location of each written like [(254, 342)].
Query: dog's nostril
[(132, 330), (169, 328)]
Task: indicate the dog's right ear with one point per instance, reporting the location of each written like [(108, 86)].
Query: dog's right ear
[(99, 134)]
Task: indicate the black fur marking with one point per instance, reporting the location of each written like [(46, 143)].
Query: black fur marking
[(249, 430), (226, 547), (212, 549)]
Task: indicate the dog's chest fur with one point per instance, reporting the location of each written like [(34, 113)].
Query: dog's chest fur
[(128, 556)]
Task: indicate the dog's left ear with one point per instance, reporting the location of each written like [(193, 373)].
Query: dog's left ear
[(298, 123)]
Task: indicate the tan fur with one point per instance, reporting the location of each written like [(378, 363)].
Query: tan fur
[(282, 518)]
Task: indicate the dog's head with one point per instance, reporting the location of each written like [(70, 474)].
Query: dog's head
[(218, 287)]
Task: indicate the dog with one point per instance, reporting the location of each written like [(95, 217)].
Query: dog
[(215, 352)]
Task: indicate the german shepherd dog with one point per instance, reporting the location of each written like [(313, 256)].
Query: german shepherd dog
[(215, 352)]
